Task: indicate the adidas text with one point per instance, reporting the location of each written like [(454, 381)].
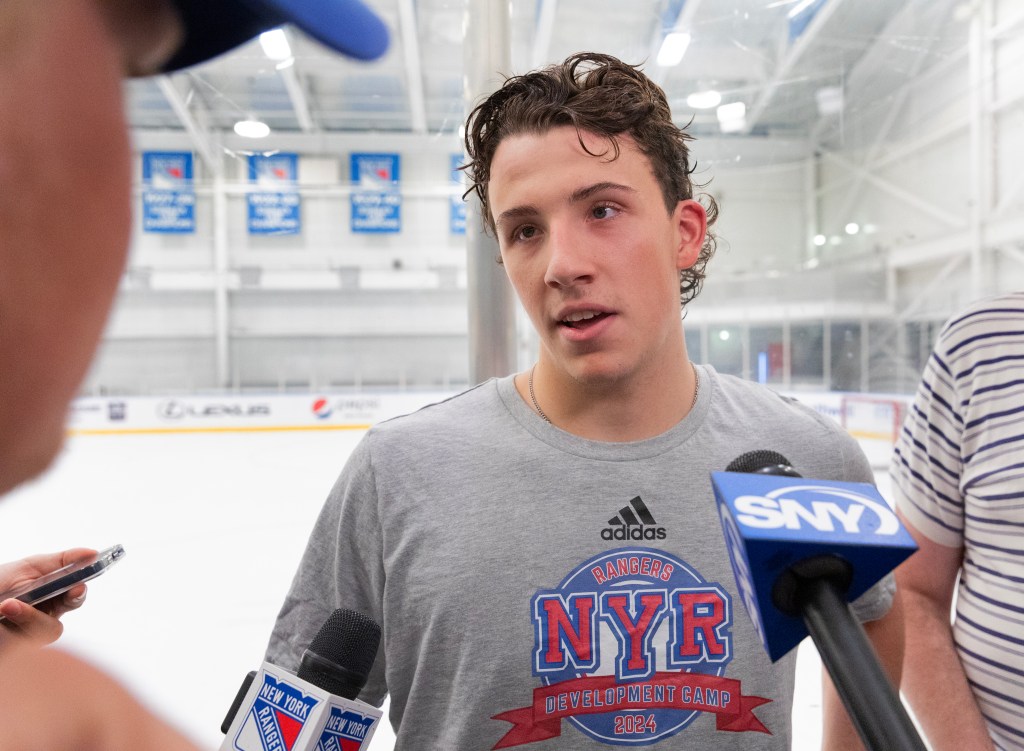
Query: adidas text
[(633, 532)]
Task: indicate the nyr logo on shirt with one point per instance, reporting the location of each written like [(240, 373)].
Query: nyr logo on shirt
[(631, 648), (278, 715)]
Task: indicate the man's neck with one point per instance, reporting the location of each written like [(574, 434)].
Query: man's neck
[(615, 410)]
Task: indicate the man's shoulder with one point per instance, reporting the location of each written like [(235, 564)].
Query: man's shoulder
[(751, 413), (459, 410), (764, 401)]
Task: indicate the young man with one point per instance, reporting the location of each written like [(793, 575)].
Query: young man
[(544, 550), (65, 219)]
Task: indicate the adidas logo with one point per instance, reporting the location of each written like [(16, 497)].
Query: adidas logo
[(633, 522)]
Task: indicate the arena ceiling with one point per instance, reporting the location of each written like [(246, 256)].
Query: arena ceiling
[(799, 67)]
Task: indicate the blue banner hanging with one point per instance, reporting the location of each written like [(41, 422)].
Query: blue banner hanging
[(456, 203), (376, 198), (274, 202), (168, 195)]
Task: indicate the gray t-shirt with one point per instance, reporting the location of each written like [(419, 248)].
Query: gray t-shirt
[(535, 586)]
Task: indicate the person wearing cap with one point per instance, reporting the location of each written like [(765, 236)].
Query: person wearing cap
[(65, 222)]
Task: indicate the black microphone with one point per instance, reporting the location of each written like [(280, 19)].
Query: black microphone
[(800, 550), (341, 654), (321, 695)]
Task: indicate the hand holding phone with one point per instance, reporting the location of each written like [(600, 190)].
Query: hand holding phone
[(58, 582)]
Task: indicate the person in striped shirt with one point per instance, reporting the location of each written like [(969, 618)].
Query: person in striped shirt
[(958, 480)]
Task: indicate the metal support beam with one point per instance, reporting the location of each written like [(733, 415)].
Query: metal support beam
[(222, 323), (928, 292), (980, 156), (796, 51), (200, 141), (911, 199), (413, 69), (894, 110), (1013, 254), (492, 306), (545, 28), (872, 60), (296, 89)]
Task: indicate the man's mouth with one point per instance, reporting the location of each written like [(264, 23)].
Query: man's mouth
[(582, 319)]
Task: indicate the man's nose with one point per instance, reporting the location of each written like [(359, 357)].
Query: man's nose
[(569, 259)]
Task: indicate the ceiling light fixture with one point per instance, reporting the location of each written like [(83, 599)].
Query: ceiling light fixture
[(830, 100), (673, 47), (732, 117), (799, 8), (275, 44), (252, 129), (703, 100)]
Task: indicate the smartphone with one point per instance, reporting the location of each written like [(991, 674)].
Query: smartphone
[(60, 581)]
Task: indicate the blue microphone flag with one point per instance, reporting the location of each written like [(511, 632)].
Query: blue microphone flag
[(773, 523)]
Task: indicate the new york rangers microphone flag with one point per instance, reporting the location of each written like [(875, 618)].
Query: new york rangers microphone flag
[(315, 710), (800, 551), (282, 712)]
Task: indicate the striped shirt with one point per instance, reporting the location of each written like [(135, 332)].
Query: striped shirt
[(958, 476)]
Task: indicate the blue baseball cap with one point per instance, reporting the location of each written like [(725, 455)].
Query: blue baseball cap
[(213, 27)]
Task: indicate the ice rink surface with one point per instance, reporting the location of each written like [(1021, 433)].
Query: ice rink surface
[(214, 526)]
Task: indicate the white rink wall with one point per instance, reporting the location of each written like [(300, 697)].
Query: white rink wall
[(213, 498)]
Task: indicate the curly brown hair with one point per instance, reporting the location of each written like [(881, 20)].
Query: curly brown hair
[(598, 94)]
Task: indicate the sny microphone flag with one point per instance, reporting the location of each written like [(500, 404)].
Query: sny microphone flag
[(772, 522)]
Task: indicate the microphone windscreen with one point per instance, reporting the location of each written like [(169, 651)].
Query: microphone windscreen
[(348, 638), (762, 461), (341, 654)]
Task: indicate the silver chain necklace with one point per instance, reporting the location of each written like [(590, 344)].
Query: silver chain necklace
[(536, 406), (533, 397)]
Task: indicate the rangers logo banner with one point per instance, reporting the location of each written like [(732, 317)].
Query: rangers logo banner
[(274, 202), (631, 648), (456, 204), (376, 200), (168, 195)]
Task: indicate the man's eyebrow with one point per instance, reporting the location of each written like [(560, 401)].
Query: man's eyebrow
[(583, 194), (517, 212)]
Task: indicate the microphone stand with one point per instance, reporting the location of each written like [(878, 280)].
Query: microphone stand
[(814, 589)]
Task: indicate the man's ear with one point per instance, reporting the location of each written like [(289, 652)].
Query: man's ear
[(691, 222)]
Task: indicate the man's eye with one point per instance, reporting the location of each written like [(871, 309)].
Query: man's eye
[(525, 233), (603, 212)]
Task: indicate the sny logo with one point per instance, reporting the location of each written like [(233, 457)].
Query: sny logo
[(817, 506)]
